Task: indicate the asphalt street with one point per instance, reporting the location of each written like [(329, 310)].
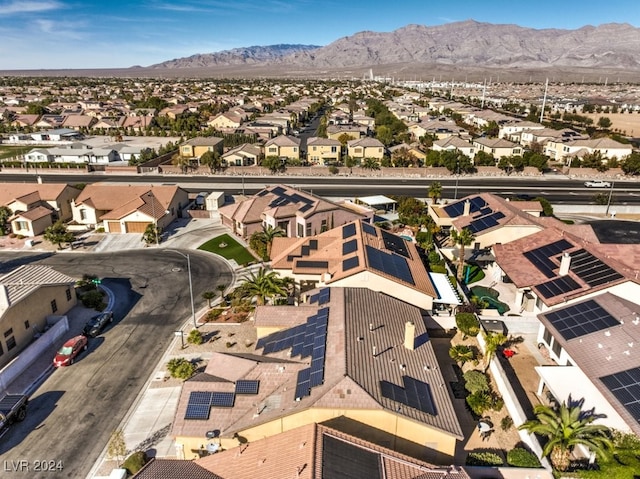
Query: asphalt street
[(73, 413)]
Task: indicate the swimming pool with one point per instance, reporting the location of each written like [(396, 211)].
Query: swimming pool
[(490, 295)]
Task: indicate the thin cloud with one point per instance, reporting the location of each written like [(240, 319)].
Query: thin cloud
[(16, 6)]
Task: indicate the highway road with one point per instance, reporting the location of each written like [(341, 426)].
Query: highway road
[(558, 189), (73, 413)]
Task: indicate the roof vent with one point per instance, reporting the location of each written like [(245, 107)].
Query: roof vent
[(565, 263), (607, 333), (600, 345)]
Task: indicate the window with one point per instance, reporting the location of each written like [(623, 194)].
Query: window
[(308, 230), (546, 336), (54, 306), (284, 226), (11, 343), (83, 214), (273, 149), (556, 348), (334, 149), (22, 225), (26, 324), (323, 226), (8, 332), (300, 232), (68, 294)]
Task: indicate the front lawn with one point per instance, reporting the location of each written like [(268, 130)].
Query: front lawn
[(228, 248)]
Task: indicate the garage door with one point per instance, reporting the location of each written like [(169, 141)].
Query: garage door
[(137, 226), (114, 227)]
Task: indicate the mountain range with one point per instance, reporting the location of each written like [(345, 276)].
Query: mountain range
[(462, 44)]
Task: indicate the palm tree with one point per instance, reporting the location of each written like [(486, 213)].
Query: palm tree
[(462, 238), (370, 164), (268, 234), (263, 285), (565, 428), (208, 295), (461, 353), (492, 342), (435, 191)]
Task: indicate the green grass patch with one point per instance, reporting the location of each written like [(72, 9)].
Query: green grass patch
[(228, 248), (7, 152), (475, 274)]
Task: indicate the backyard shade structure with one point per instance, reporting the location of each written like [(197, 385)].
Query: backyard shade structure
[(377, 202)]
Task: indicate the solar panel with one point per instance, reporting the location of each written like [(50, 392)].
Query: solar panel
[(197, 411), (581, 319), (304, 208), (304, 251), (350, 263), (540, 257), (393, 265), (369, 229), (262, 193), (312, 264), (313, 298), (457, 208), (313, 244), (485, 222), (394, 243), (303, 384), (278, 190), (324, 296), (348, 230), (557, 286), (200, 397), (625, 386), (415, 394), (247, 386), (592, 270), (219, 399), (349, 247)]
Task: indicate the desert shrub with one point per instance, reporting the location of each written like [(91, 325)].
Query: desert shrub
[(92, 299), (214, 314), (195, 337), (520, 457), (334, 170), (135, 462), (180, 368), (476, 381), (497, 402), (438, 268), (489, 459), (479, 402), (506, 423), (468, 324)]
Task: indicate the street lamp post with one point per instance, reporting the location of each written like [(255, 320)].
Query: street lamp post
[(193, 311)]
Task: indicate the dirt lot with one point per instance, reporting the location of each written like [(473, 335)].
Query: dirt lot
[(627, 123)]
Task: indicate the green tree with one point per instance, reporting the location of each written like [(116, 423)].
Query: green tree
[(631, 164), (604, 123), (384, 134), (566, 427), (476, 381), (117, 448), (263, 285), (209, 295), (435, 191), (212, 159), (492, 342), (468, 324), (370, 164), (350, 162), (151, 234), (547, 208), (462, 238), (195, 337), (273, 164), (402, 157), (181, 368), (266, 237), (57, 234), (482, 158), (5, 214), (461, 354)]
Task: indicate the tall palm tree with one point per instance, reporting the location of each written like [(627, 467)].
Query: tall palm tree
[(263, 285), (208, 295), (463, 238), (435, 191), (565, 428), (492, 342), (268, 234)]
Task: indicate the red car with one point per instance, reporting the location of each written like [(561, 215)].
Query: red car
[(69, 350)]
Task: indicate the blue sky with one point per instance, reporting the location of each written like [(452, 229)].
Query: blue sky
[(36, 34)]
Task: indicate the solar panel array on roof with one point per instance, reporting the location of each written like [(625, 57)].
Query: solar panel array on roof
[(305, 207), (350, 263), (324, 295), (312, 264), (580, 319), (200, 403), (625, 386), (349, 247), (457, 208), (391, 264), (394, 243), (415, 394), (197, 411), (591, 270), (540, 257), (557, 286), (348, 230), (222, 399), (262, 193), (369, 229), (485, 222), (247, 386), (283, 199), (309, 339)]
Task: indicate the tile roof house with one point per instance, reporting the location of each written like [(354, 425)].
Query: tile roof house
[(357, 254), (497, 147), (609, 148), (283, 146), (595, 343), (366, 148), (349, 352), (129, 209), (455, 143), (158, 468), (247, 154), (323, 151), (196, 147), (296, 212), (28, 295)]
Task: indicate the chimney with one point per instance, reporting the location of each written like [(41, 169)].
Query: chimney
[(565, 262), (467, 208), (409, 335)]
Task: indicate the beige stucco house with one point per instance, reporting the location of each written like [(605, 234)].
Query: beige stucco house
[(497, 147), (366, 148), (323, 151), (283, 146), (196, 147), (561, 150)]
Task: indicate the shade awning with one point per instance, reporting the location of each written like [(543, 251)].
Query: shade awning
[(447, 294)]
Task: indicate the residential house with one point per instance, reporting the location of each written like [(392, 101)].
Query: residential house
[(542, 136), (513, 130), (437, 128), (174, 111), (357, 254), (323, 151), (297, 213), (24, 120), (137, 123), (334, 132), (608, 148), (33, 222), (51, 121), (57, 135), (366, 148), (594, 343), (283, 147), (129, 209), (79, 122), (225, 121), (247, 154), (72, 155), (497, 147), (324, 361), (28, 295), (455, 143), (196, 147), (359, 118), (413, 149)]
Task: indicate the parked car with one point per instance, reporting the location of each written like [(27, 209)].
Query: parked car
[(597, 184), (13, 408), (97, 323), (70, 350)]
